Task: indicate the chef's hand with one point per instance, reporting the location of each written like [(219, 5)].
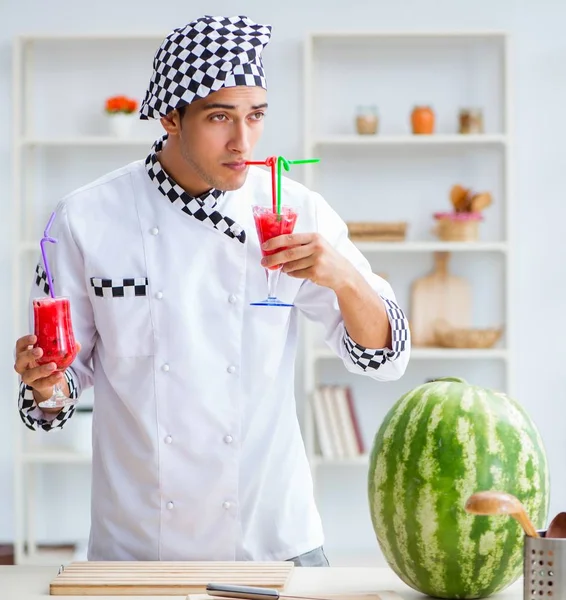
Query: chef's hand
[(309, 256), (41, 378)]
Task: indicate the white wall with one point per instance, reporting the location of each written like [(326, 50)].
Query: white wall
[(539, 217)]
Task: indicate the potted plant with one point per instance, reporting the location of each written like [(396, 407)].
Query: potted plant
[(121, 112)]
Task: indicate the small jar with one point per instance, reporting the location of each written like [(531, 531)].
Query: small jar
[(366, 120), (470, 121), (422, 120)]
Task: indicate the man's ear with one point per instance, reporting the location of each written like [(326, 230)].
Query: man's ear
[(172, 122)]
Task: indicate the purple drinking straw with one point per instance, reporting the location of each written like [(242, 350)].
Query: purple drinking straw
[(44, 239)]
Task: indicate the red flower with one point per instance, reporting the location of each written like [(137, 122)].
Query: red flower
[(121, 104)]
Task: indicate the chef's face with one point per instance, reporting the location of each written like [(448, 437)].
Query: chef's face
[(218, 133)]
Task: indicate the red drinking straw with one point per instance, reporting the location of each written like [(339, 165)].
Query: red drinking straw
[(270, 162)]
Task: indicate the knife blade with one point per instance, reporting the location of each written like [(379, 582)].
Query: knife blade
[(252, 593)]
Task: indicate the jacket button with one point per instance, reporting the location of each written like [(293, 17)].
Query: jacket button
[(154, 231), (226, 505), (159, 295), (170, 505), (232, 299), (228, 439), (168, 439), (236, 229), (165, 367), (231, 369)]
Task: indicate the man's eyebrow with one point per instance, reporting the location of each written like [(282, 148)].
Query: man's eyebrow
[(220, 105)]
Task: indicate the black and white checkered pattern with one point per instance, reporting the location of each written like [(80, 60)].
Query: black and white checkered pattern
[(202, 208), (27, 404), (120, 288), (369, 359), (41, 279), (202, 57)]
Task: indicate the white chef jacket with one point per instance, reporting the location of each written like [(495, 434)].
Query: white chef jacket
[(197, 450)]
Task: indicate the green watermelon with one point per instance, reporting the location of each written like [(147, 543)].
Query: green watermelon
[(440, 443)]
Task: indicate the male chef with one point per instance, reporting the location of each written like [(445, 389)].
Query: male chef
[(197, 451)]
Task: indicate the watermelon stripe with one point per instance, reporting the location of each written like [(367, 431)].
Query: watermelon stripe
[(411, 443), (466, 485), (540, 470), (491, 533), (429, 551), (529, 453), (397, 516), (410, 500), (494, 445), (381, 475), (512, 546)]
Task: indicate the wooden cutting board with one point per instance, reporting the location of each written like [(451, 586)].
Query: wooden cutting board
[(381, 595), (438, 296), (157, 578)]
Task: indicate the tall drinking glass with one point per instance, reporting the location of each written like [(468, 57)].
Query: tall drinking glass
[(270, 224), (54, 331)]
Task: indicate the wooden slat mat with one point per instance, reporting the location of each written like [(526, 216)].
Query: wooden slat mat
[(159, 578)]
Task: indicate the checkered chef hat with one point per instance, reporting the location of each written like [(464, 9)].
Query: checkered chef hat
[(202, 57)]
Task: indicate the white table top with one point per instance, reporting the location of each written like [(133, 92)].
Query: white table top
[(32, 583)]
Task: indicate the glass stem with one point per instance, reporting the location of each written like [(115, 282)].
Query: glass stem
[(57, 391), (272, 280), (57, 400)]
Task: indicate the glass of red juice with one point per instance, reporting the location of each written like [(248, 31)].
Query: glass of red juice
[(271, 224), (54, 331)]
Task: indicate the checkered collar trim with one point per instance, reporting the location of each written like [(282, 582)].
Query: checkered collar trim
[(202, 208), (169, 187)]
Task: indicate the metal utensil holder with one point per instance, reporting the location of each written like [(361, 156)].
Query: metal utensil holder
[(544, 571)]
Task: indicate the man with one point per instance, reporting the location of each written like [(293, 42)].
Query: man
[(197, 451)]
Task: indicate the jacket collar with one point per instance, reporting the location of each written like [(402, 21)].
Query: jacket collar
[(202, 208)]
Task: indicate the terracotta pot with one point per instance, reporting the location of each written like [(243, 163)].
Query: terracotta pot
[(422, 120)]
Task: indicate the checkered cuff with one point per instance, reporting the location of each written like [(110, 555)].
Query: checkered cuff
[(372, 359), (34, 418)]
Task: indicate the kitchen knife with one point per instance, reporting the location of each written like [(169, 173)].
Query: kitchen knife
[(251, 593)]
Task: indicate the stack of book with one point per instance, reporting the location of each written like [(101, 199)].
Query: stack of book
[(337, 425)]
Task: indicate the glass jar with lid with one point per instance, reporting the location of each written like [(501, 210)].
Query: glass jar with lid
[(367, 120)]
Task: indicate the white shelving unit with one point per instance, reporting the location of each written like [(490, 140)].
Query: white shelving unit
[(395, 175), (56, 148)]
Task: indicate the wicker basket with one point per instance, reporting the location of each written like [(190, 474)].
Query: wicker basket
[(457, 227), (394, 231), (451, 337)]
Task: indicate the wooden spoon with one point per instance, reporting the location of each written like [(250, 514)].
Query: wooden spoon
[(500, 503), (459, 198), (557, 527), (480, 202)]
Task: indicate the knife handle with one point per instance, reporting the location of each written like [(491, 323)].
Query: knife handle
[(241, 591)]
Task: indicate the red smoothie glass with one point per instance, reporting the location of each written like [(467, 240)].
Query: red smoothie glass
[(54, 331), (270, 224)]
